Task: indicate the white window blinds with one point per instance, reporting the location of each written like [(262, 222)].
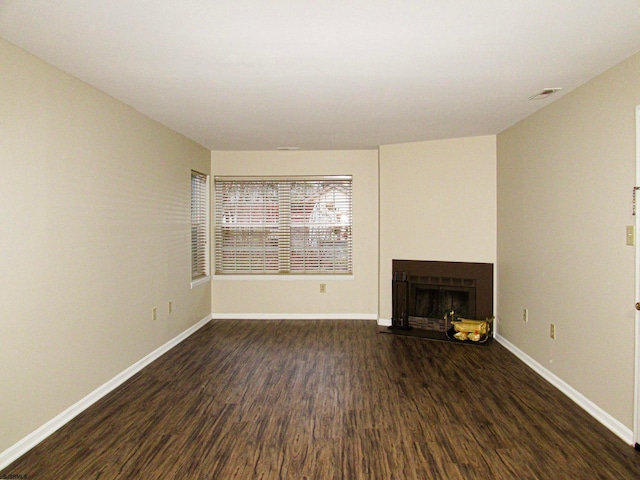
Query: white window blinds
[(283, 225), (199, 225)]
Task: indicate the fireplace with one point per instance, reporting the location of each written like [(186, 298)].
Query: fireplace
[(429, 295)]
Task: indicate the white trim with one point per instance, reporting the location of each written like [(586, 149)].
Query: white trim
[(294, 316), (200, 281), (34, 438), (591, 408), (636, 383), (384, 322), (301, 277)]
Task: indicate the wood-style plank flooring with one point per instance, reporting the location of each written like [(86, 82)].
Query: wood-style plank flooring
[(330, 400)]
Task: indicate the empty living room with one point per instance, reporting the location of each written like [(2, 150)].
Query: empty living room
[(336, 240)]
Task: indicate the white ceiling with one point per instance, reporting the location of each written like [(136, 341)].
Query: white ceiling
[(332, 74)]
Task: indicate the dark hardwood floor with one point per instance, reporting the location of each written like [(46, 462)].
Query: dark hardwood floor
[(330, 400)]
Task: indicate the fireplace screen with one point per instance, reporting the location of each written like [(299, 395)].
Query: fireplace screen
[(437, 302), (432, 306)]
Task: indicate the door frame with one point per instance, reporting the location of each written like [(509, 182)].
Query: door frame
[(636, 399)]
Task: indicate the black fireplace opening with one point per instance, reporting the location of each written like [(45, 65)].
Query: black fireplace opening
[(436, 302), (432, 307)]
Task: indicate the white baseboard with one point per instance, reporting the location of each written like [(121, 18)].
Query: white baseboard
[(591, 408), (384, 322), (27, 443), (295, 316)]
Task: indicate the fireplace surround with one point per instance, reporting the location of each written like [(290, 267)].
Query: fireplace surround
[(428, 295)]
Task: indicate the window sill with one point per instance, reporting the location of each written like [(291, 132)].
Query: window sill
[(288, 278), (200, 281)]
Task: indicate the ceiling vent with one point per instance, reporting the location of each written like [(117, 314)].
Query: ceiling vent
[(544, 93)]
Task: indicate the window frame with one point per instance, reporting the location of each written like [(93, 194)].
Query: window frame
[(289, 253), (200, 229)]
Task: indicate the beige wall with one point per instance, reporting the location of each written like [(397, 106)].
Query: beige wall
[(354, 297), (565, 177), (94, 232), (437, 202)]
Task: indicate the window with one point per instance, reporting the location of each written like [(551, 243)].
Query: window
[(293, 225), (199, 226)]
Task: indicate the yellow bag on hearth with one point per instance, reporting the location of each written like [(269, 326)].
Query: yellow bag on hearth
[(471, 326)]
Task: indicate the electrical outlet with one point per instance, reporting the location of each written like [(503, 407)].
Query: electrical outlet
[(525, 314), (631, 235), (154, 313), (323, 288), (170, 307), (552, 331)]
